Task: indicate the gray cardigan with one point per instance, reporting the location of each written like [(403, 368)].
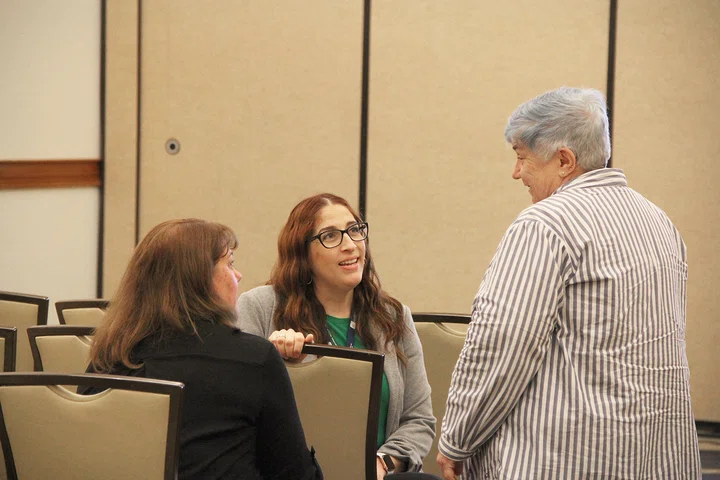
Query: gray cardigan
[(410, 423)]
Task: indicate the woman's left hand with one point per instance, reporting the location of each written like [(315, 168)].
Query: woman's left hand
[(382, 473), (289, 343)]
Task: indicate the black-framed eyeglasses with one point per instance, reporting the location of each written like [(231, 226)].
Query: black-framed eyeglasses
[(333, 238)]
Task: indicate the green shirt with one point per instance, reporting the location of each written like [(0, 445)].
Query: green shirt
[(338, 328)]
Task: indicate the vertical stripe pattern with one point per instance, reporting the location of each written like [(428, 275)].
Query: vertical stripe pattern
[(574, 365)]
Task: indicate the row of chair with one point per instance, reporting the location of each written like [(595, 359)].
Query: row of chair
[(64, 348), (41, 419), (21, 311), (340, 381)]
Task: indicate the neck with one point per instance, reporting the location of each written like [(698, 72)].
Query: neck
[(336, 304), (575, 174)]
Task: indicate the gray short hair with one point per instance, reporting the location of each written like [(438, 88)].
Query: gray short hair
[(566, 117)]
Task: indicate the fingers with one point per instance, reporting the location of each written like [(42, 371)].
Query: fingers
[(449, 468), (288, 343)]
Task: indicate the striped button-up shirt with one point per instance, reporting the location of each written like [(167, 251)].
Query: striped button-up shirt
[(574, 365)]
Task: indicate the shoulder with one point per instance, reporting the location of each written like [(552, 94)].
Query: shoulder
[(258, 301), (550, 219), (264, 295), (547, 212), (255, 309), (215, 341), (406, 318), (247, 347), (406, 315), (391, 305)]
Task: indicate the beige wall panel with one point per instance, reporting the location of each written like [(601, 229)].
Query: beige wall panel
[(49, 69), (49, 109), (667, 116), (120, 156), (445, 76), (264, 98)]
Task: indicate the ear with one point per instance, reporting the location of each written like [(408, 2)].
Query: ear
[(568, 162)]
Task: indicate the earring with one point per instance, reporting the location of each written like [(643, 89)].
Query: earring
[(562, 174), (309, 281)]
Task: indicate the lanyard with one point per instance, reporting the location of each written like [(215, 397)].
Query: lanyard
[(350, 335)]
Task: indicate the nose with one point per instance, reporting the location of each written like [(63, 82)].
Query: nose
[(347, 243), (516, 170), (238, 275)]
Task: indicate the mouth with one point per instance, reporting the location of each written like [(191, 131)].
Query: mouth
[(348, 263)]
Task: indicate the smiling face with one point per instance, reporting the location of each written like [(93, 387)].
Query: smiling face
[(542, 178), (226, 279), (336, 271)]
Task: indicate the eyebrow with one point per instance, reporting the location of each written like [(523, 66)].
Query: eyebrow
[(330, 227)]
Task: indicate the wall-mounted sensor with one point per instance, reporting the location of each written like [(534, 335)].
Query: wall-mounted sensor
[(172, 146)]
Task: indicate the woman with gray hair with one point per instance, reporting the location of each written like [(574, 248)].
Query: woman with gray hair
[(564, 130), (574, 365)]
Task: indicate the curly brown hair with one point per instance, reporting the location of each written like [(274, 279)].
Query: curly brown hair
[(298, 306)]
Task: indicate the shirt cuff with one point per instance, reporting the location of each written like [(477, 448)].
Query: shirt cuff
[(451, 451)]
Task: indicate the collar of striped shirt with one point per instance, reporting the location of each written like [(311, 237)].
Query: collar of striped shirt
[(602, 177)]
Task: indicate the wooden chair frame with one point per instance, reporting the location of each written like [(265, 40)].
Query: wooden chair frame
[(22, 352), (377, 359), (444, 323), (52, 330), (708, 428), (63, 305), (414, 476), (441, 317), (43, 303), (174, 390), (10, 336)]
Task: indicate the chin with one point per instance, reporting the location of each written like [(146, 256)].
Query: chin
[(354, 281)]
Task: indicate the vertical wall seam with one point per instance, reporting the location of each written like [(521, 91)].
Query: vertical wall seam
[(101, 219), (137, 139), (364, 107), (612, 40)]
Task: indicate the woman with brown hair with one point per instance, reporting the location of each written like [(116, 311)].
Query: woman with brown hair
[(324, 289), (173, 318)]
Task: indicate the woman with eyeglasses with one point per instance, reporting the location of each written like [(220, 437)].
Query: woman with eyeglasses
[(324, 289)]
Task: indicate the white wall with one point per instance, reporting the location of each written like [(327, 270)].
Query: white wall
[(49, 109)]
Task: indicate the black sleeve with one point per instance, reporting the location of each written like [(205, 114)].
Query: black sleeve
[(281, 449)]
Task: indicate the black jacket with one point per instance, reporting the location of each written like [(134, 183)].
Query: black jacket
[(239, 418)]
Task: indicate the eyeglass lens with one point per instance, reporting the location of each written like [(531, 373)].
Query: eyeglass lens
[(333, 238)]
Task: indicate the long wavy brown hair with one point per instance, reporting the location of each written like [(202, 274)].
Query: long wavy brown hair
[(167, 287), (298, 306)]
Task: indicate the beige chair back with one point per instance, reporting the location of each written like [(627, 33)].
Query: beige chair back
[(338, 398), (442, 337), (81, 312), (127, 431), (21, 311), (60, 348)]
